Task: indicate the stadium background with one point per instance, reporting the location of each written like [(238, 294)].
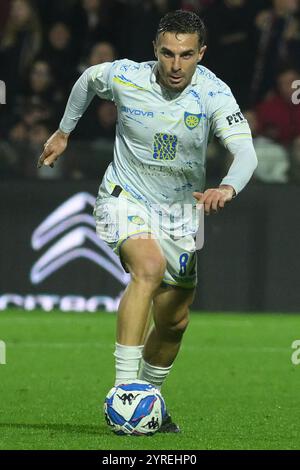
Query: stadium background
[(250, 260)]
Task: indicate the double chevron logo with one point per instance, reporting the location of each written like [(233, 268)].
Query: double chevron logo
[(68, 233)]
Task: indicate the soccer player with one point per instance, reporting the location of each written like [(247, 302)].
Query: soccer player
[(166, 111)]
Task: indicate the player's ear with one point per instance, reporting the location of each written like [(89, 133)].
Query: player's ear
[(201, 53), (155, 48)]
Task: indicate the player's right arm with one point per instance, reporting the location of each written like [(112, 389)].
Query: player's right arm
[(95, 80), (53, 148)]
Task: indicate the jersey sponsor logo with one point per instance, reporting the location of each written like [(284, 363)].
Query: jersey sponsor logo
[(235, 118), (192, 120), (165, 146), (137, 112), (71, 228)]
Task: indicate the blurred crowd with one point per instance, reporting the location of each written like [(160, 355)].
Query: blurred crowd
[(253, 45)]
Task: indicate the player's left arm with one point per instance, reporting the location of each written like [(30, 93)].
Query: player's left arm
[(230, 126)]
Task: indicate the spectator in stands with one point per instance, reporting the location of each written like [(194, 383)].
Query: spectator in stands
[(89, 126), (230, 52), (81, 33), (5, 7), (94, 23), (39, 103), (273, 158), (24, 144), (101, 52), (278, 32), (61, 54), (20, 44), (41, 97), (278, 116), (51, 11), (139, 27)]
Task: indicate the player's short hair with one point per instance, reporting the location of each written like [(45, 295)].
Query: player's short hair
[(182, 22)]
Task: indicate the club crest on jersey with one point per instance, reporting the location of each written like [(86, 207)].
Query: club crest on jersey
[(191, 120)]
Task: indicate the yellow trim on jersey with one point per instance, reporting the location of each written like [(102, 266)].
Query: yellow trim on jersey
[(238, 136), (223, 129), (129, 84)]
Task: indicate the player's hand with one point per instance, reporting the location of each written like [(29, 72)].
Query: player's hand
[(214, 199), (53, 148)]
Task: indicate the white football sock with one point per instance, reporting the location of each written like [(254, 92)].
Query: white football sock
[(153, 374), (127, 362)]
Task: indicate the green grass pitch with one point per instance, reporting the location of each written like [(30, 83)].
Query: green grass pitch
[(233, 385)]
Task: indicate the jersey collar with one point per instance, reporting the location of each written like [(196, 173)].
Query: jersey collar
[(157, 87)]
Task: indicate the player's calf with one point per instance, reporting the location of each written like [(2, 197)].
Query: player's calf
[(173, 329)]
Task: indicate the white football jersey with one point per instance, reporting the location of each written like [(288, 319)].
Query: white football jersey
[(161, 136)]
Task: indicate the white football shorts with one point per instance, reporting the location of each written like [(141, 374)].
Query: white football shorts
[(119, 216)]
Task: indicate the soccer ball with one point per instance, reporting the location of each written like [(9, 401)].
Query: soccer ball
[(134, 408)]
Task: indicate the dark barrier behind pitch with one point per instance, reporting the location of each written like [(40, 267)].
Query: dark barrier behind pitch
[(250, 260)]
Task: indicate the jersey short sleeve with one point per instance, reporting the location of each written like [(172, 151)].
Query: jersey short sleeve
[(99, 79), (227, 120)]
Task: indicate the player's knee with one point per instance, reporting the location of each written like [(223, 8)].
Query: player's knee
[(150, 271)]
